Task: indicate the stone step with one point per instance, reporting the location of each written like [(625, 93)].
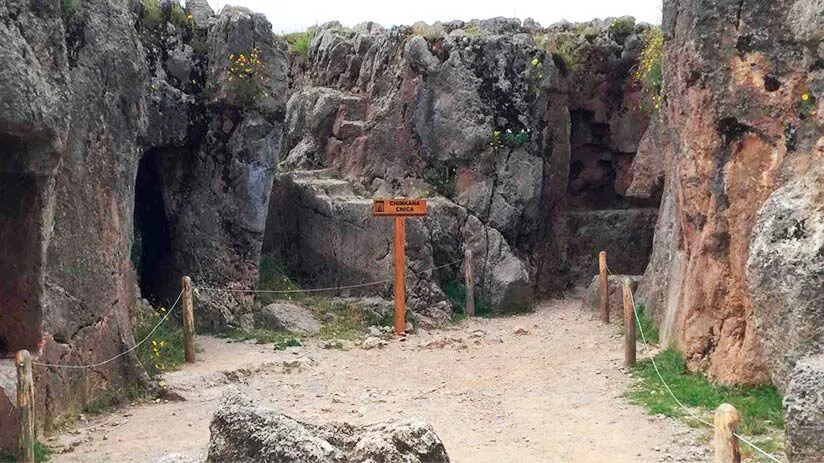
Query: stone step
[(348, 129)]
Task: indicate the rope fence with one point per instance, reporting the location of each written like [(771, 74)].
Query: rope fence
[(131, 349), (648, 350), (318, 290)]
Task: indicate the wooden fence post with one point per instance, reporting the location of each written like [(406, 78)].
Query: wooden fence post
[(629, 326), (188, 322), (604, 286), (470, 285), (727, 420), (25, 407)]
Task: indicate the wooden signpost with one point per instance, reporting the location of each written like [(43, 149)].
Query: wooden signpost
[(399, 208)]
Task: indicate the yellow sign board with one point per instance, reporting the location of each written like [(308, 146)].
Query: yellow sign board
[(398, 207)]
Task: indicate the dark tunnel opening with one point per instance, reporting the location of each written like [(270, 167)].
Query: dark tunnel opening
[(152, 246)]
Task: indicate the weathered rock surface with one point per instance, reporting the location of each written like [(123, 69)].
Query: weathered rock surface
[(592, 297), (786, 274), (625, 234), (742, 114), (804, 409), (122, 164), (241, 432), (448, 129), (139, 162), (287, 316)]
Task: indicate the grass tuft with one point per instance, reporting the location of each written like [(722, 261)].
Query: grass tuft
[(299, 42), (275, 277), (648, 326), (760, 406), (41, 454), (263, 336), (164, 350)]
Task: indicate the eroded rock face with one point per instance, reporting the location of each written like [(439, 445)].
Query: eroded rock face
[(481, 121), (804, 408), (786, 274), (241, 432), (114, 125), (742, 120)]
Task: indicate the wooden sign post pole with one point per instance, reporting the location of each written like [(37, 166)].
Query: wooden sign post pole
[(400, 209), (400, 264)]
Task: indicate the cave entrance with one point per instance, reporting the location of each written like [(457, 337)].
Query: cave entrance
[(152, 245), (23, 218)]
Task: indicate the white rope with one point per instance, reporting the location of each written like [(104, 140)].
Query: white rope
[(314, 290), (690, 412), (94, 365)]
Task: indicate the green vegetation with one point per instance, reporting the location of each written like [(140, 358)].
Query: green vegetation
[(163, 351), (649, 71), (177, 15), (281, 339), (345, 321), (456, 292), (442, 178), (472, 30), (245, 81), (564, 50), (620, 28), (509, 138), (430, 33), (760, 407), (299, 41), (275, 277), (151, 13), (41, 454), (647, 326), (587, 31), (70, 8), (110, 398), (806, 105)]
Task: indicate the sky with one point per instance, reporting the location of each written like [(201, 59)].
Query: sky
[(297, 15)]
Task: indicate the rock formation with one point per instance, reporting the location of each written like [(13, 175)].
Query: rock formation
[(741, 140), (241, 432), (136, 148), (482, 116)]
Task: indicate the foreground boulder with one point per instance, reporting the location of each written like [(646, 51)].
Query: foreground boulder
[(804, 408), (242, 432), (786, 274)]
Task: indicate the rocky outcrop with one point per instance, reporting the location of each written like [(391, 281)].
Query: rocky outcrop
[(209, 160), (786, 274), (742, 119), (143, 157), (625, 234), (479, 117), (241, 432), (804, 409), (126, 162)]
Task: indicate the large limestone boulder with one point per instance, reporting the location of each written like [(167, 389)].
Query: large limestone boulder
[(804, 409), (242, 432), (786, 274), (287, 316)]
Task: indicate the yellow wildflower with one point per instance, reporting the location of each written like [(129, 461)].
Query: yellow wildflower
[(535, 62), (805, 96), (161, 383)]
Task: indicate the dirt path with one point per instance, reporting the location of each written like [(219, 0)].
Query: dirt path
[(553, 395)]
